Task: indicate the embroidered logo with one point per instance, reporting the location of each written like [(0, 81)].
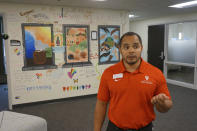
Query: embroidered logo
[(146, 77), (146, 81)]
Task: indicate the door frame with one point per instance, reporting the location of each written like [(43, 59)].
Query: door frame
[(7, 62), (163, 42)]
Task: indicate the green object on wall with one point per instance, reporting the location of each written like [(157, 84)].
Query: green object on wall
[(48, 52)]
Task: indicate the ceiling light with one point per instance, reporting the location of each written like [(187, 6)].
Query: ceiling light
[(132, 16), (185, 5), (99, 0), (180, 35)]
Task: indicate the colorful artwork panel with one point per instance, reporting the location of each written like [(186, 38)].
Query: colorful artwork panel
[(77, 44), (58, 39), (109, 37), (38, 43)]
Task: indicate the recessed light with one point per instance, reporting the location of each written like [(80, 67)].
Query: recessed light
[(185, 4)]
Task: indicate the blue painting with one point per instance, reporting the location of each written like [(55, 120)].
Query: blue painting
[(109, 37)]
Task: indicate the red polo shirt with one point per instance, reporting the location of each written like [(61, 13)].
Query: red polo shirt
[(129, 94)]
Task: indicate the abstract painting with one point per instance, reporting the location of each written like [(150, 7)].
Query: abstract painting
[(38, 43), (108, 39), (77, 45)]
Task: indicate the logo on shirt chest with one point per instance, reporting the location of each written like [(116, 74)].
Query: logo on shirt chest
[(117, 77), (146, 77), (146, 81)]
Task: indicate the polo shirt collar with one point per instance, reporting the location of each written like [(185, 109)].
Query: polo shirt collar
[(121, 67), (141, 68)]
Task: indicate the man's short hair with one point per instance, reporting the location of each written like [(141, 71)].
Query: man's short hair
[(130, 34)]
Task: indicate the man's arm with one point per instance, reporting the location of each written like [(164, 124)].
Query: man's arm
[(99, 114), (162, 102)]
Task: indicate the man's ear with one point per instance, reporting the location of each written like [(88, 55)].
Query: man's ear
[(142, 46)]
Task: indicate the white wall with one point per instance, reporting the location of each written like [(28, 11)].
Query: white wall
[(141, 27), (50, 85)]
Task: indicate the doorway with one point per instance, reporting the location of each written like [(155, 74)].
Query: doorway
[(3, 73), (156, 35)]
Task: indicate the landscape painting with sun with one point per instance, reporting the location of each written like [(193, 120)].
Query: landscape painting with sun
[(38, 45)]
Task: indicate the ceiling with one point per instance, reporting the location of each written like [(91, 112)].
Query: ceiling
[(144, 9)]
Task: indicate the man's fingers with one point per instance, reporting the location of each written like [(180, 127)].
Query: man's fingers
[(153, 100), (167, 97), (160, 98)]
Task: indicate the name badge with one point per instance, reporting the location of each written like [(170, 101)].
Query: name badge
[(115, 76)]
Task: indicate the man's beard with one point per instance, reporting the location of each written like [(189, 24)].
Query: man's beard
[(133, 62)]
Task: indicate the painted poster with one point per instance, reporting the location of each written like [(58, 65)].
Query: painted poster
[(58, 39), (108, 39), (38, 43), (77, 45)]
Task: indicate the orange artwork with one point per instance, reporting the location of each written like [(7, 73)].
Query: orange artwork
[(42, 34), (76, 44)]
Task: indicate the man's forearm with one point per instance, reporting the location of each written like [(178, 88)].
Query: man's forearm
[(99, 115)]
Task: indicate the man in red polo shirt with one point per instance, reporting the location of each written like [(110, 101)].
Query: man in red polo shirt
[(132, 88)]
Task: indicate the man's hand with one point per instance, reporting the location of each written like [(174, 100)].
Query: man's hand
[(160, 98), (162, 102)]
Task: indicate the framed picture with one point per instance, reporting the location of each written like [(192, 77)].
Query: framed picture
[(94, 35), (108, 39), (38, 43), (77, 45)]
